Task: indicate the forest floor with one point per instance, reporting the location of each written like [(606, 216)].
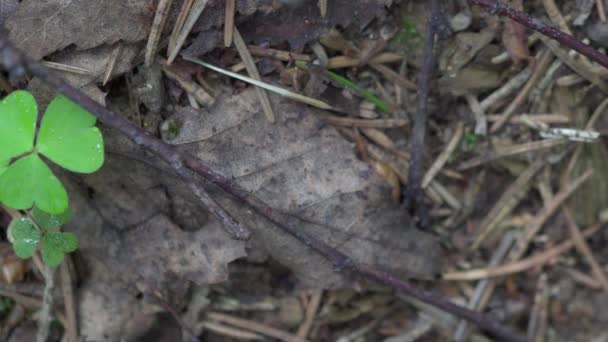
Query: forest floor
[(514, 171)]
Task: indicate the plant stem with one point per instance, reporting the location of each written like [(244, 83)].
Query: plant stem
[(45, 318)]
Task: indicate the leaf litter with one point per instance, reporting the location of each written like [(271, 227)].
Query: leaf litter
[(142, 232)]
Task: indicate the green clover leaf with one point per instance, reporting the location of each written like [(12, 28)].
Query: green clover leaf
[(55, 245), (18, 113), (29, 180), (68, 137), (3, 166), (24, 236), (48, 221)]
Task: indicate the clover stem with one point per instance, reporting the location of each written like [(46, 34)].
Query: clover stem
[(45, 318)]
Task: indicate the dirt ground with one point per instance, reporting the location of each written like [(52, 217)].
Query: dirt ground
[(514, 205)]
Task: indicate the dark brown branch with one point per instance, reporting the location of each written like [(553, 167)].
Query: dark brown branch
[(414, 197), (500, 8), (183, 164)]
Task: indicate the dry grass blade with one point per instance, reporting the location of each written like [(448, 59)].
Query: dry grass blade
[(523, 119), (585, 250), (252, 70), (179, 24), (347, 62), (229, 22), (556, 16), (30, 303), (66, 68), (601, 12), (197, 8), (548, 211), (507, 202), (559, 20), (576, 64), (484, 286), (254, 326), (536, 260), (583, 278), (445, 194), (112, 63), (546, 58), (199, 93), (444, 155), (395, 77), (537, 324), (507, 89), (278, 90), (363, 123), (231, 332), (281, 55), (311, 312), (160, 18), (511, 151), (323, 7), (481, 122)]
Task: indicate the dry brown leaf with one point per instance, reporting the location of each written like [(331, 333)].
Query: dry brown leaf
[(42, 27), (307, 171), (141, 229)]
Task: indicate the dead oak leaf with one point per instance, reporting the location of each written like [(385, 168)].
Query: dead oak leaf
[(42, 27), (306, 171)]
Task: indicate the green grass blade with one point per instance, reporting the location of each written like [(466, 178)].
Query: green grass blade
[(368, 96)]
